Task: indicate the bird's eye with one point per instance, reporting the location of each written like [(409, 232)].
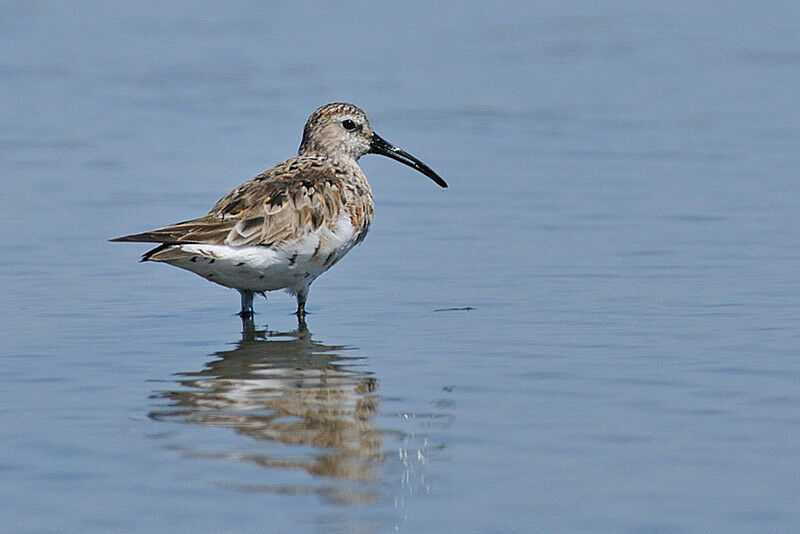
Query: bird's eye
[(348, 124)]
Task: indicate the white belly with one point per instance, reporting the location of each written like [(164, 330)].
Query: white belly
[(292, 265)]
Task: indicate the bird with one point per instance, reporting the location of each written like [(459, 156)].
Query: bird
[(288, 225)]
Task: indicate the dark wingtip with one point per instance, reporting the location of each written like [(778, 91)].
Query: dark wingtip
[(146, 237), (126, 238)]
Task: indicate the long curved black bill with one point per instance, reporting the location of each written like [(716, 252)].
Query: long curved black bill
[(380, 146)]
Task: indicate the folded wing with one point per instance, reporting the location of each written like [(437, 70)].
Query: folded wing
[(283, 204)]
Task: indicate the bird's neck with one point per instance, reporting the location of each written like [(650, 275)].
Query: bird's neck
[(337, 157)]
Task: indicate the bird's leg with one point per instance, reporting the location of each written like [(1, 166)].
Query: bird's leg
[(301, 306), (249, 332), (247, 303)]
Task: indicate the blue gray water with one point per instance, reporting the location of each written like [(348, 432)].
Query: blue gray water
[(595, 328)]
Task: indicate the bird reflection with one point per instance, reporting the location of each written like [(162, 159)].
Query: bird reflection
[(286, 389)]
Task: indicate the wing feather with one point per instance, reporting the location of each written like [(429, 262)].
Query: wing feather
[(285, 203)]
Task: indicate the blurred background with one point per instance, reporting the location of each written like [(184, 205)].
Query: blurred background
[(595, 328)]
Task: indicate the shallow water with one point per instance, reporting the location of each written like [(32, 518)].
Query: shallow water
[(594, 327)]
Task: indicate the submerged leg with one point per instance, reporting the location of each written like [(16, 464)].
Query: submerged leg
[(249, 332), (301, 306), (247, 303)]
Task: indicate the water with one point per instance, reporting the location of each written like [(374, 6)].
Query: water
[(594, 328)]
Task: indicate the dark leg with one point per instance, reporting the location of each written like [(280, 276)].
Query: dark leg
[(248, 328), (301, 306), (247, 303)]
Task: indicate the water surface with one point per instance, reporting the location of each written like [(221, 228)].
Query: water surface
[(594, 327)]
